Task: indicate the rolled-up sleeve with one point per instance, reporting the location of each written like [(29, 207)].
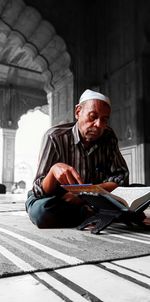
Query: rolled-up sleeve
[(48, 156)]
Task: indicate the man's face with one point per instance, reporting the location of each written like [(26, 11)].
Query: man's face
[(92, 117)]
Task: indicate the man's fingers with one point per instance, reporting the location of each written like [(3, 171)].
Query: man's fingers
[(73, 177), (66, 174)]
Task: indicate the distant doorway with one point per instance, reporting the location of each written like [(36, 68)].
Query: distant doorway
[(28, 140)]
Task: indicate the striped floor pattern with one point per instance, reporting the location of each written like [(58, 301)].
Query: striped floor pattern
[(126, 280), (22, 253)]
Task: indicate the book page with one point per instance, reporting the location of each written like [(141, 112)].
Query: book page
[(78, 188), (131, 193)]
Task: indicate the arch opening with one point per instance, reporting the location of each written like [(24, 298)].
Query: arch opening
[(28, 141)]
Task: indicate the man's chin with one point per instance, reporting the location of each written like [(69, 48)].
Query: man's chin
[(91, 138)]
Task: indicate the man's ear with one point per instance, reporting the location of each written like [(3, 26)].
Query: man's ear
[(77, 111)]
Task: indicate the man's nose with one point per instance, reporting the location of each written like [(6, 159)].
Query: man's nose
[(98, 123)]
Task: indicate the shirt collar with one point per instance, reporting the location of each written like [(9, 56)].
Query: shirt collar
[(75, 132)]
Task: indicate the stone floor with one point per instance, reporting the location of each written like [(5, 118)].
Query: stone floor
[(67, 264)]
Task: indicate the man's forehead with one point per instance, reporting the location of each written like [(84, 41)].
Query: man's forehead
[(96, 105)]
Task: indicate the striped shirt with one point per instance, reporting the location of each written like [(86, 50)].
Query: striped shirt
[(101, 163)]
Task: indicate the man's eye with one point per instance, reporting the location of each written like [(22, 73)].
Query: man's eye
[(92, 117)]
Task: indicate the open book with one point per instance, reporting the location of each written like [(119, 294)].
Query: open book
[(135, 197), (111, 206)]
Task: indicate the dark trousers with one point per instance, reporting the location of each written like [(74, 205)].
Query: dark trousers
[(54, 212)]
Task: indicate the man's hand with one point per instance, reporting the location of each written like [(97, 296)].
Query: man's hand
[(65, 174), (60, 173), (109, 186)]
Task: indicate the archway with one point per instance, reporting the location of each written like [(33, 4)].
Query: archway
[(33, 55), (34, 67)]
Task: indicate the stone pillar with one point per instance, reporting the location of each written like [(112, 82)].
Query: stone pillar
[(8, 157), (61, 105), (50, 102), (1, 153)]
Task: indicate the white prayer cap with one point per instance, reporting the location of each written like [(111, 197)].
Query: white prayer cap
[(90, 95)]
